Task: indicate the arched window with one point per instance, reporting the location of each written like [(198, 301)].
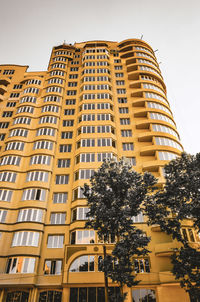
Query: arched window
[(82, 264)]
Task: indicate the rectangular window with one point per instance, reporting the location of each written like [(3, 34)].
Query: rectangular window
[(34, 194), (72, 84), (86, 143), (7, 113), (4, 125), (60, 197), (57, 218), (10, 160), (78, 193), (11, 104), (27, 109), (83, 237), (25, 238), (5, 195), (127, 146), (73, 76), (63, 163), (119, 75), (66, 135), (18, 132), (104, 155), (22, 120), (119, 83), (69, 111), (55, 241), (8, 71), (85, 158), (8, 176), (123, 110), (2, 136), (126, 133), (14, 95), (87, 117), (142, 265), (83, 174), (88, 106), (70, 102), (121, 91), (104, 117), (22, 265), (71, 92), (52, 98), (104, 142), (40, 160), (105, 129), (52, 267), (43, 145), (46, 131), (65, 148), (50, 108), (124, 121), (86, 129), (122, 100), (68, 123), (79, 213), (28, 99), (48, 119), (104, 106), (37, 176), (74, 69), (3, 214), (54, 89), (34, 215), (188, 234), (19, 146), (132, 160), (62, 179)]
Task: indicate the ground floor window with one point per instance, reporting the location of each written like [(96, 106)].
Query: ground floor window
[(50, 296), (90, 294), (18, 296), (143, 295)]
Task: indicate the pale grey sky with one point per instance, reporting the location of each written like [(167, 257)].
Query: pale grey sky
[(29, 30)]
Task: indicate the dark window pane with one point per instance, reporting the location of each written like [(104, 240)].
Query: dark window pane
[(83, 294), (100, 294), (73, 295), (92, 294)]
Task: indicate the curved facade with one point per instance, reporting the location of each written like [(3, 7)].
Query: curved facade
[(98, 99)]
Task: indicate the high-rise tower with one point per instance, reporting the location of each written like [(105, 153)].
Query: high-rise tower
[(97, 100)]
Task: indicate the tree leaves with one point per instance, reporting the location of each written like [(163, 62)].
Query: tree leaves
[(177, 202), (115, 195)]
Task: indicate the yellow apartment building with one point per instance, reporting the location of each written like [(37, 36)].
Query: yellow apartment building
[(97, 100)]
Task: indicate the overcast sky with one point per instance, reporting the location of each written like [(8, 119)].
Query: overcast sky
[(29, 30)]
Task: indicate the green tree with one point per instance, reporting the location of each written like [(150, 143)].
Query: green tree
[(116, 195), (169, 207)]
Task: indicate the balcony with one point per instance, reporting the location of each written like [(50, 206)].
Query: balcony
[(3, 89), (166, 249), (17, 279)]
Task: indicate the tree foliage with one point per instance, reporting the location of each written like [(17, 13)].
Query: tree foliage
[(116, 195), (177, 202)]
